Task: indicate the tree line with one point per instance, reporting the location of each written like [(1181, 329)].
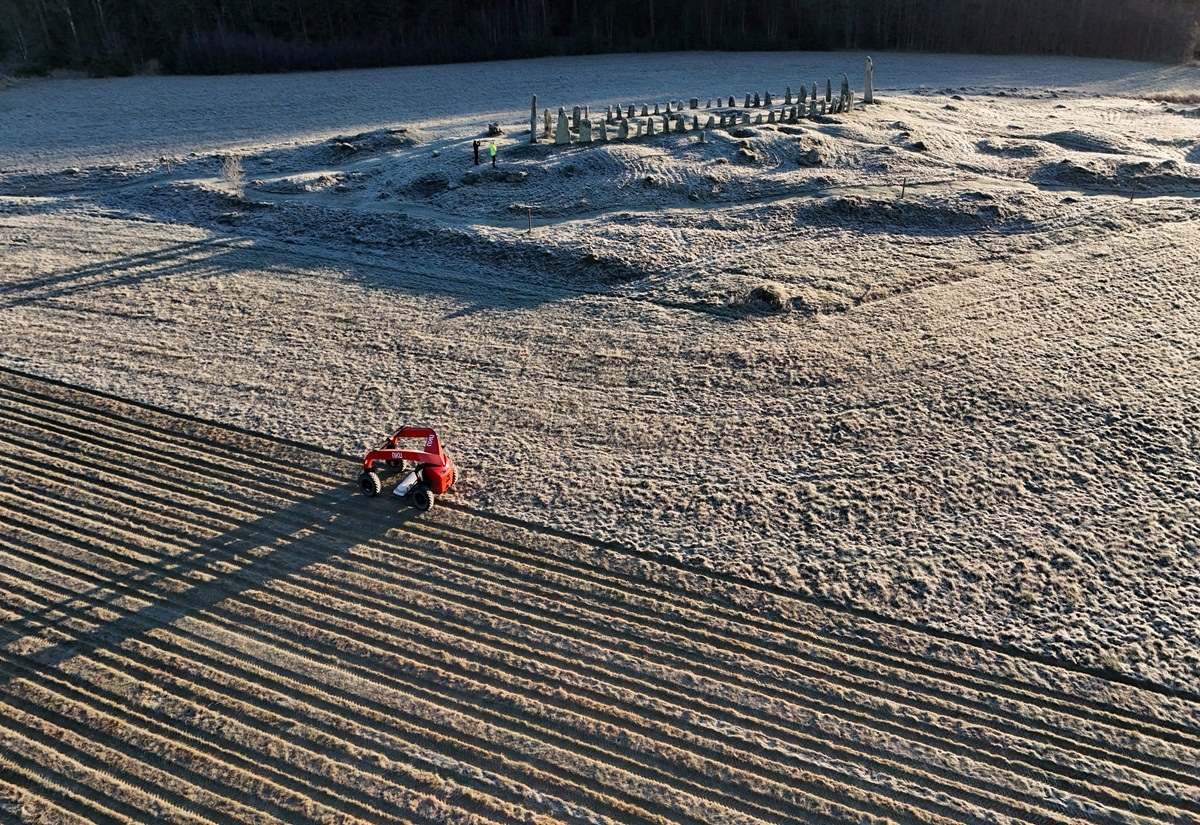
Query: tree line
[(222, 36)]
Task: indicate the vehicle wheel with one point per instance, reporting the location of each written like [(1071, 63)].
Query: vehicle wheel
[(369, 483), (422, 497)]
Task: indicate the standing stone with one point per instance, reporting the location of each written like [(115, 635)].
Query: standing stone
[(814, 90), (803, 96), (869, 82), (644, 110), (587, 113), (656, 109), (562, 133), (649, 126), (828, 90), (758, 119), (771, 116), (681, 123), (533, 119), (695, 122), (576, 116), (694, 103), (623, 130), (547, 123), (585, 131), (812, 106), (757, 100), (631, 113), (608, 115), (767, 100), (604, 131), (731, 100), (795, 114), (666, 123), (712, 122), (745, 118), (746, 105), (721, 122), (709, 104), (787, 96), (822, 107)]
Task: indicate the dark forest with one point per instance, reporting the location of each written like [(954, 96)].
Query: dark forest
[(221, 36)]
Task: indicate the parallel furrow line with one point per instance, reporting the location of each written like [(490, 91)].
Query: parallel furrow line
[(274, 443), (656, 768), (1042, 766), (58, 791), (279, 712), (1107, 710), (185, 464), (200, 443), (227, 758), (267, 672), (637, 688), (124, 794), (324, 598), (182, 788), (1168, 799), (977, 705)]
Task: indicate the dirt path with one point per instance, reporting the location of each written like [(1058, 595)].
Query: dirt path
[(204, 625)]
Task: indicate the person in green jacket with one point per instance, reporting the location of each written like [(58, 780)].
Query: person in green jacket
[(492, 152)]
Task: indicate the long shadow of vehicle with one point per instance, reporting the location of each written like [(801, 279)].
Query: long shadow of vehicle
[(244, 558)]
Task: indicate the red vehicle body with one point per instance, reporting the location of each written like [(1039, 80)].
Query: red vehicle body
[(432, 474)]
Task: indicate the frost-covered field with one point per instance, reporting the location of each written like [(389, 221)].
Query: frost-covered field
[(972, 406), (56, 123)]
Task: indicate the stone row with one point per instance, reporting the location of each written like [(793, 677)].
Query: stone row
[(621, 116)]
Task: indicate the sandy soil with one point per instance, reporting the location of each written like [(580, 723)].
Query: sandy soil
[(974, 406), (202, 626)]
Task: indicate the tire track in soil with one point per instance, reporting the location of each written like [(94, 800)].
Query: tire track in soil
[(528, 673)]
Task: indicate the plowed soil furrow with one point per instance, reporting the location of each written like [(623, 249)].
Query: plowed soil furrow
[(228, 754), (204, 625), (200, 451), (382, 641), (97, 736), (206, 658), (1086, 793), (364, 813), (1083, 775), (260, 618), (219, 682), (41, 744), (278, 792), (49, 793), (267, 489), (1071, 705), (428, 690)]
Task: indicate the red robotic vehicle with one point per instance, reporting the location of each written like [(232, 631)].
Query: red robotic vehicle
[(425, 474)]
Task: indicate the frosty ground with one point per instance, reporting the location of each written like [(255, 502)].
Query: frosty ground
[(937, 358)]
